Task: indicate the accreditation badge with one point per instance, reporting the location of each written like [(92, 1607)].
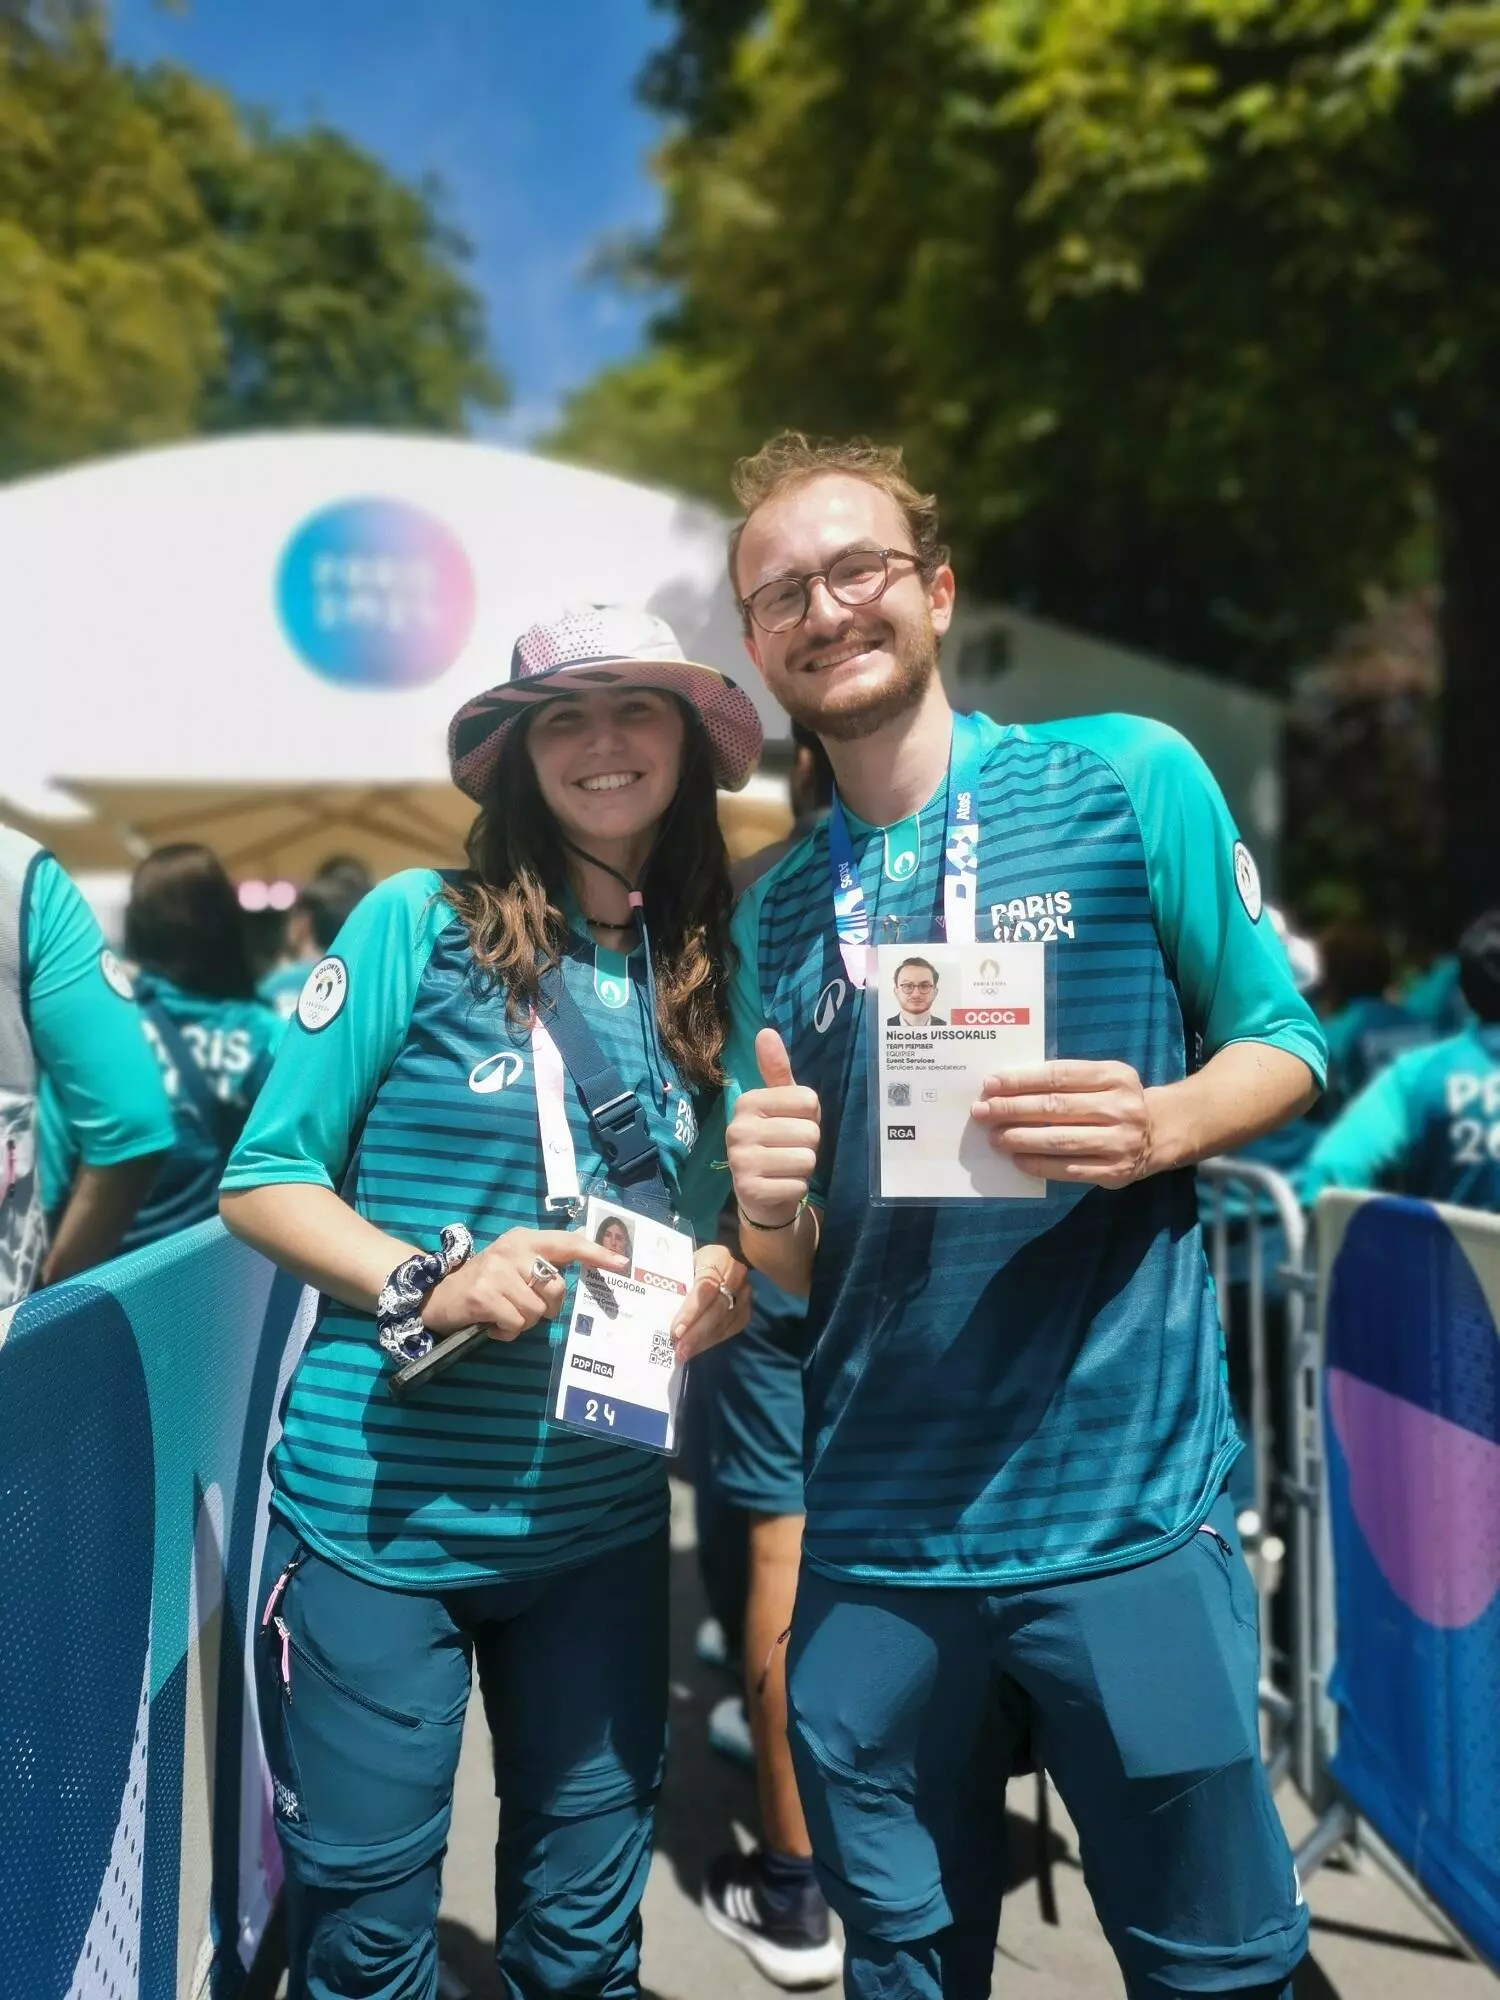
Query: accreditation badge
[(941, 1018), (615, 1375)]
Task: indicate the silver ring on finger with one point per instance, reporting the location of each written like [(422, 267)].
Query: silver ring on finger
[(542, 1273), (728, 1297)]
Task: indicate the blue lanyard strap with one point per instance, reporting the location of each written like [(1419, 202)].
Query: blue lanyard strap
[(851, 914), (617, 1119)]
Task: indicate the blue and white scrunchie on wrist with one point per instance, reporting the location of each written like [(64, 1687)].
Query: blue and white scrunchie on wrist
[(398, 1310)]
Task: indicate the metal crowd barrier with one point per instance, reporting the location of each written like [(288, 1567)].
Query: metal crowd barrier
[(1242, 1204)]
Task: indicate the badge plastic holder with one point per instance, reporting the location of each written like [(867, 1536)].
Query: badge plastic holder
[(613, 1371), (987, 998)]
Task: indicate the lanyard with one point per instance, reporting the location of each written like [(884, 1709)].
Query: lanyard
[(563, 1044), (851, 913), (558, 1157)]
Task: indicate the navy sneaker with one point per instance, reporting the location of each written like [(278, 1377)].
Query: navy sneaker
[(790, 1942)]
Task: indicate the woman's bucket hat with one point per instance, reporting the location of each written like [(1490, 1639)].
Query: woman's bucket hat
[(603, 646)]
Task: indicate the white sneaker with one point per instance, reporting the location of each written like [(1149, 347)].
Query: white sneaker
[(794, 1948), (729, 1730)]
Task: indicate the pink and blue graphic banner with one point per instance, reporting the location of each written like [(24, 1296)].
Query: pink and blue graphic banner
[(376, 593), (137, 1407), (1412, 1409)]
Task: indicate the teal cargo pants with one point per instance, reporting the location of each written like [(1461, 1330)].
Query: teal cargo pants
[(362, 1693), (1141, 1689)]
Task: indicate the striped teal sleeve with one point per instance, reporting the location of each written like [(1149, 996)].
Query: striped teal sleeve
[(746, 1009), (104, 1088), (1371, 1137), (342, 1039), (1226, 959)]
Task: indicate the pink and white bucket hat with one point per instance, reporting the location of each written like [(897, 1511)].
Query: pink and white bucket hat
[(603, 646)]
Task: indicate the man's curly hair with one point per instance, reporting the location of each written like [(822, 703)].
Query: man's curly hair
[(792, 459)]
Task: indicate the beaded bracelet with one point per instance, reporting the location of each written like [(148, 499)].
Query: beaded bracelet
[(398, 1310)]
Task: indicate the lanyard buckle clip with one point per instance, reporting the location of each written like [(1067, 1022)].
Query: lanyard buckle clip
[(620, 1129)]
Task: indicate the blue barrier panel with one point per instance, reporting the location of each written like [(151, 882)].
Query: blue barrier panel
[(136, 1410), (1412, 1408)]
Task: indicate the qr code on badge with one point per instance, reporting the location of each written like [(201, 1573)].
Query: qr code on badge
[(585, 1322), (898, 1093), (662, 1353)]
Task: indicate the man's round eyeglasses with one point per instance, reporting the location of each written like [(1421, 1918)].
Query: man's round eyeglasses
[(858, 576)]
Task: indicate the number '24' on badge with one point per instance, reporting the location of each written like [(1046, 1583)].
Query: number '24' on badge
[(615, 1374)]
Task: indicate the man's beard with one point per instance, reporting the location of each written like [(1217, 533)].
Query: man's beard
[(916, 658)]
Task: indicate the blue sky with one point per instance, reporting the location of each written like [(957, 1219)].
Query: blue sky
[(524, 111)]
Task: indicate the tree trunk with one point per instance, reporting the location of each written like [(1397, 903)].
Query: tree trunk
[(1468, 495)]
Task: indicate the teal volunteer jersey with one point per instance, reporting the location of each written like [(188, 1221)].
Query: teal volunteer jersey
[(96, 1066), (1007, 1392), (229, 1045), (1436, 996), (402, 1084), (281, 988), (1362, 1039), (1428, 1125)]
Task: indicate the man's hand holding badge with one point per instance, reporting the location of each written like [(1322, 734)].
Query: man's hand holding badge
[(1071, 1121)]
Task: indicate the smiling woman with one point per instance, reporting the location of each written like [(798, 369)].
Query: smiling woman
[(599, 797), (410, 1536), (595, 766)]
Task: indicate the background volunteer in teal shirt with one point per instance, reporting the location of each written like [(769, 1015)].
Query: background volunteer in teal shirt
[(1429, 1124), (323, 906), (1364, 1028), (1017, 1428), (1434, 995), (212, 1038), (75, 1013), (410, 1538)]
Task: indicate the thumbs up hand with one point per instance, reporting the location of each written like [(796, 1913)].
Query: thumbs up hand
[(772, 1060), (773, 1137)]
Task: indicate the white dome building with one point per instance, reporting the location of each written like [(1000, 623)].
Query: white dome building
[(258, 642)]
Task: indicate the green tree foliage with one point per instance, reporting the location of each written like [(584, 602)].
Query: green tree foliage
[(1349, 153), (1188, 308), (692, 75), (168, 267), (109, 284), (1363, 788), (343, 303)]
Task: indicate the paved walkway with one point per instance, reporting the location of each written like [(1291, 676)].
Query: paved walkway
[(1369, 1943)]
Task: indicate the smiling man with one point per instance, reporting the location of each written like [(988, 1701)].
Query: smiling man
[(1017, 1428)]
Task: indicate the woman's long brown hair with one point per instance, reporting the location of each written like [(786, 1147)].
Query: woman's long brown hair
[(512, 903)]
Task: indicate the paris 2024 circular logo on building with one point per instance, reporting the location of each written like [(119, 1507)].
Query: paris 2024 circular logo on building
[(376, 593)]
